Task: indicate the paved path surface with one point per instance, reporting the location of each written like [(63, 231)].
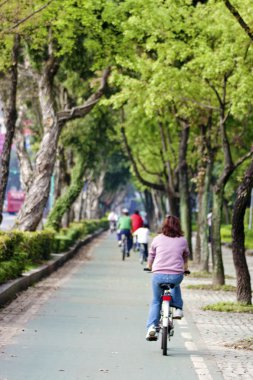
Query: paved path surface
[(87, 321)]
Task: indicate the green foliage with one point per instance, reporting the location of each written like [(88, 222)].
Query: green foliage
[(8, 243), (226, 235), (38, 245), (13, 268), (66, 237)]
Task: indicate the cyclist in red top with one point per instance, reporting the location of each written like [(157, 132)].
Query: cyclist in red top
[(137, 221)]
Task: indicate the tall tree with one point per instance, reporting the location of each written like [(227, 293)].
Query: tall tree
[(16, 19), (48, 58), (238, 246)]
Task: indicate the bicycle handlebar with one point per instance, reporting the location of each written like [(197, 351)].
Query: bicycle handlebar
[(186, 272)]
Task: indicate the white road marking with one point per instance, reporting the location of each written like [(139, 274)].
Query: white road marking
[(197, 361), (201, 368)]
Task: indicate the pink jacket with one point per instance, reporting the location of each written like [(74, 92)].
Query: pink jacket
[(168, 254)]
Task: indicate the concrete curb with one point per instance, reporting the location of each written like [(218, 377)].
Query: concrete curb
[(9, 290)]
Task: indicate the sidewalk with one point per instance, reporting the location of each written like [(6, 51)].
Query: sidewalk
[(219, 329)]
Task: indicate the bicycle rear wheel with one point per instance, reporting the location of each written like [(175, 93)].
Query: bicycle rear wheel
[(164, 340), (124, 247)]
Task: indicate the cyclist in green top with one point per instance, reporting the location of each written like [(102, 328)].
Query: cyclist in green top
[(125, 227)]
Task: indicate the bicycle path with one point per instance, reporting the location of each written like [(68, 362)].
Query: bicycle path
[(90, 324)]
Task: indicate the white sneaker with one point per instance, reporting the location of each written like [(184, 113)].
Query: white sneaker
[(152, 333), (119, 243), (178, 314)]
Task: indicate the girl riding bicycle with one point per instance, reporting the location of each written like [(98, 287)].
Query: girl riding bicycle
[(168, 259)]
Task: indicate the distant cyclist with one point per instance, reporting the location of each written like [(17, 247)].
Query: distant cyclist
[(142, 235), (113, 218), (125, 227), (137, 222)]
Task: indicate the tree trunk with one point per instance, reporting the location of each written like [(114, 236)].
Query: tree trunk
[(149, 207), (184, 194), (25, 165), (32, 210), (228, 169), (238, 247), (204, 228), (64, 203), (61, 174), (172, 198), (10, 117), (53, 122), (157, 208), (218, 268), (226, 212)]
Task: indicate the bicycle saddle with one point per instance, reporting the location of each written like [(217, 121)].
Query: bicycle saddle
[(167, 286)]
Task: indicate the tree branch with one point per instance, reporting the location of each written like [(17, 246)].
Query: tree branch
[(146, 170), (216, 92), (28, 17), (244, 158), (3, 3), (201, 105), (239, 18), (81, 111), (154, 186)]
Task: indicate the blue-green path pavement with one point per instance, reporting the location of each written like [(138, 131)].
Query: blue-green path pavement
[(87, 321)]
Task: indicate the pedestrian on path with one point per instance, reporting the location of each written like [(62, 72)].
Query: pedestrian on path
[(168, 259)]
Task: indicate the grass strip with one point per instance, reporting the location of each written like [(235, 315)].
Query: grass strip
[(229, 307), (225, 288)]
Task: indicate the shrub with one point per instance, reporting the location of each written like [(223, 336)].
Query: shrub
[(5, 247), (61, 243), (38, 245), (8, 243), (13, 268), (18, 248)]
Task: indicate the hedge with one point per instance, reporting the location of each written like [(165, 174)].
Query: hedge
[(66, 237), (18, 249)]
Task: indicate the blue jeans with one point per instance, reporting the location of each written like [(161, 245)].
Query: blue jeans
[(128, 235), (155, 307)]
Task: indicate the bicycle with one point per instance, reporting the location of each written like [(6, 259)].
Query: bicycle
[(124, 246), (166, 324), (166, 321)]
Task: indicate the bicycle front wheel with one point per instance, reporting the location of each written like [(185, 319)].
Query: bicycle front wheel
[(164, 339), (123, 252)]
